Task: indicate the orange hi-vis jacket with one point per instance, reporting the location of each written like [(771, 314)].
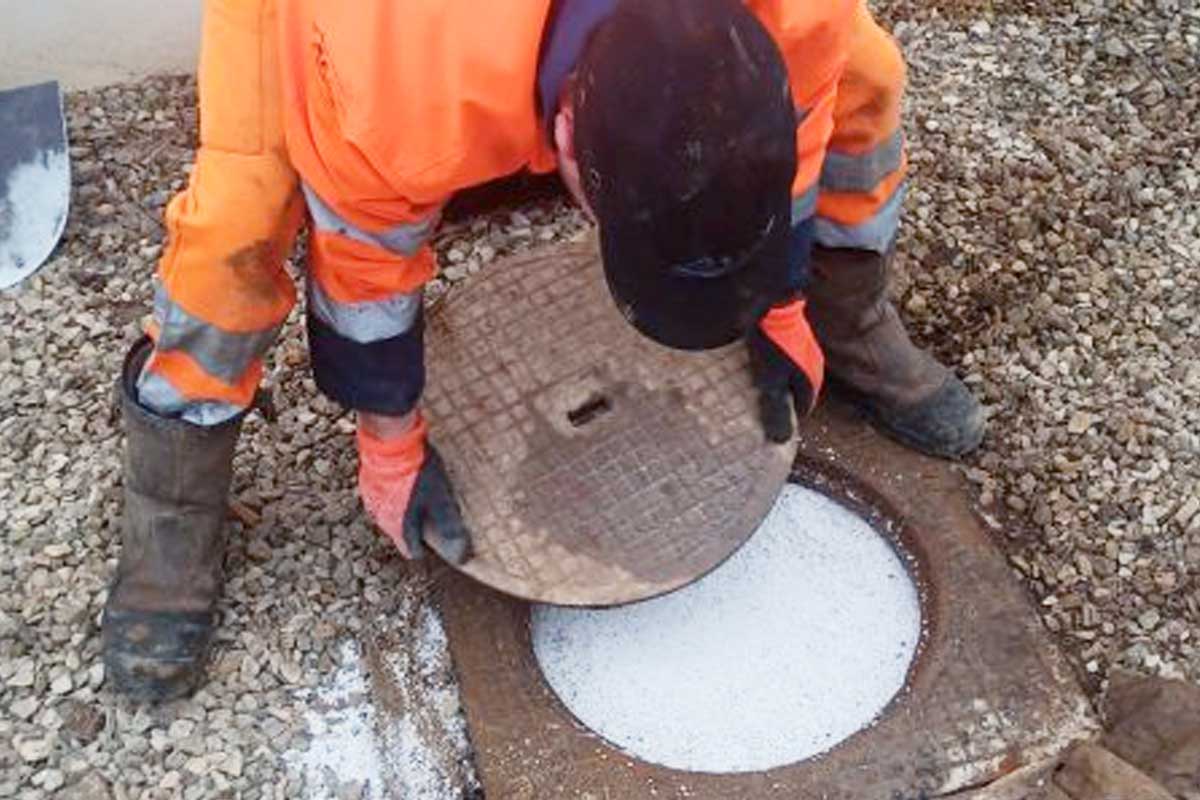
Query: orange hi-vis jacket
[(364, 118)]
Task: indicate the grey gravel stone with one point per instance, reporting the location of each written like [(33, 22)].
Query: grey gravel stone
[(50, 780), (25, 707), (33, 749), (84, 721), (88, 787)]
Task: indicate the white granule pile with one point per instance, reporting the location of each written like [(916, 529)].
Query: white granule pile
[(797, 642)]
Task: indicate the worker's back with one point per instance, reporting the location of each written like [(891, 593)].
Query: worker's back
[(391, 106), (406, 101)]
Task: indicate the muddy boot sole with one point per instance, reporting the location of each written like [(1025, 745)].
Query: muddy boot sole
[(156, 656)]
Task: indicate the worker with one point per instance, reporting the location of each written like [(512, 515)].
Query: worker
[(743, 162)]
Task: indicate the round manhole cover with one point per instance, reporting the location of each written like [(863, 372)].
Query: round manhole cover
[(796, 643), (594, 466)]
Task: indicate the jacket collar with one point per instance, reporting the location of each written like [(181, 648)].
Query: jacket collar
[(569, 25)]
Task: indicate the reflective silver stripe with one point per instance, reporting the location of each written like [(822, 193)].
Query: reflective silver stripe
[(405, 239), (805, 205), (157, 394), (223, 354), (369, 321), (874, 234), (842, 172)]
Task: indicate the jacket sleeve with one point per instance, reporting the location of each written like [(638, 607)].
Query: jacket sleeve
[(365, 328), (371, 215), (863, 174), (221, 291)]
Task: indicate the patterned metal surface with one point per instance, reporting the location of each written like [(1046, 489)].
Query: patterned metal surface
[(594, 466)]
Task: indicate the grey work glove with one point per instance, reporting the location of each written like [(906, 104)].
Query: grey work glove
[(788, 368), (405, 488)]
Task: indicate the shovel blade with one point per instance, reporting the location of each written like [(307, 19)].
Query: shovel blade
[(35, 179)]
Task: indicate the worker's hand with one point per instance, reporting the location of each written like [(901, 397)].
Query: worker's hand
[(788, 367), (405, 489)]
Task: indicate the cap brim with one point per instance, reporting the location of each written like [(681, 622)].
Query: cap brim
[(693, 313)]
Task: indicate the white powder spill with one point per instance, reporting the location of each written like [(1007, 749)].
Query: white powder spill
[(388, 723), (796, 643), (341, 722), (33, 213)]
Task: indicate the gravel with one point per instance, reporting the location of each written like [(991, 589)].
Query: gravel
[(1050, 250)]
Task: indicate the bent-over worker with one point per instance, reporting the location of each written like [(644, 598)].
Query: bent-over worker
[(743, 161)]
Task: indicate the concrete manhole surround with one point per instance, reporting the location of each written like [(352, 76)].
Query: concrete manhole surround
[(988, 694)]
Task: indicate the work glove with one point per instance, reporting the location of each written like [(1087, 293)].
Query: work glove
[(788, 368), (405, 489)]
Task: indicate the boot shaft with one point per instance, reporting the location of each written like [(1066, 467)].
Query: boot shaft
[(173, 461), (176, 485), (848, 293), (861, 333)]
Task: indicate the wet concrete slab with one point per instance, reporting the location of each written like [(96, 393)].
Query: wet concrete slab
[(989, 693), (594, 466)]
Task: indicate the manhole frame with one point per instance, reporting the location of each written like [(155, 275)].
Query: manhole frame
[(980, 701)]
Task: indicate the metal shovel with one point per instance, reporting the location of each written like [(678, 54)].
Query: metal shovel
[(35, 178)]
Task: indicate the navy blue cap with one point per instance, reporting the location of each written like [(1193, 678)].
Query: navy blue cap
[(685, 131)]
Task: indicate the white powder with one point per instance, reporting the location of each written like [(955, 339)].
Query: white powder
[(341, 723), (797, 642), (396, 734)]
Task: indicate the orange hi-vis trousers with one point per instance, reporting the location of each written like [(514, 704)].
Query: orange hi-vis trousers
[(365, 118)]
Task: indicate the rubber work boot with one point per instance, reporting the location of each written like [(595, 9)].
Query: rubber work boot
[(159, 617), (903, 389)]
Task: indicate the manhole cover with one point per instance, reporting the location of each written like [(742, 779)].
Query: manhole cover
[(797, 642), (594, 466)]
